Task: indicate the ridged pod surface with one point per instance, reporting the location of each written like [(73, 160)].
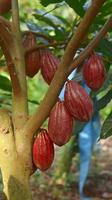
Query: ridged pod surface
[(77, 101), (5, 6), (43, 151), (48, 64), (31, 58), (60, 124), (94, 71)]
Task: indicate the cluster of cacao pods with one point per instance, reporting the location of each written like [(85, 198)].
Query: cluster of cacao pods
[(59, 132), (77, 105), (39, 59), (93, 69), (5, 6)]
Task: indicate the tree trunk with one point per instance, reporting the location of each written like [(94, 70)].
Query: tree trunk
[(15, 168), (15, 180)]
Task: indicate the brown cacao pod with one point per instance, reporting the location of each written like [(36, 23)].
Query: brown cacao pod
[(31, 58), (43, 151), (48, 65), (60, 124), (5, 6), (94, 71), (77, 101)]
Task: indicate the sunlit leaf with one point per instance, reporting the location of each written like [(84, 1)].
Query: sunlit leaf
[(106, 130)]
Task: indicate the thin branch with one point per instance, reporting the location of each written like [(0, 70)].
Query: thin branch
[(48, 38), (43, 46), (5, 40), (14, 79), (83, 55), (62, 73), (6, 34)]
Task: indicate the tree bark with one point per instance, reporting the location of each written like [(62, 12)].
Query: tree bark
[(15, 169), (16, 181)]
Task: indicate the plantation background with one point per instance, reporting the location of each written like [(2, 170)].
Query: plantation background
[(58, 21)]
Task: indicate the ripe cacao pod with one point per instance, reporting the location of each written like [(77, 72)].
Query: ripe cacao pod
[(5, 6), (43, 151), (31, 58), (48, 65), (60, 124), (94, 71), (77, 101)]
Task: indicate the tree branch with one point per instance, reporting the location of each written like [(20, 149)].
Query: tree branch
[(14, 79), (6, 38), (20, 105), (62, 73), (43, 46), (48, 38), (83, 55)]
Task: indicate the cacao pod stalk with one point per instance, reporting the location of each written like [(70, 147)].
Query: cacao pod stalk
[(60, 124), (77, 101), (43, 151)]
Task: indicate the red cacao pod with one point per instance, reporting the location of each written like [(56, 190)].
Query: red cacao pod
[(60, 124), (5, 6), (43, 151), (48, 65), (31, 58), (77, 101), (94, 71)]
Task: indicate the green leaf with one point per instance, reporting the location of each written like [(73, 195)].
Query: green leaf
[(47, 2), (105, 47), (47, 17), (34, 27), (106, 130), (77, 5), (64, 20), (104, 13), (5, 84), (7, 15), (53, 21), (101, 103)]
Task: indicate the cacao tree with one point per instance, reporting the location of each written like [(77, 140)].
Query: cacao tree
[(23, 142)]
